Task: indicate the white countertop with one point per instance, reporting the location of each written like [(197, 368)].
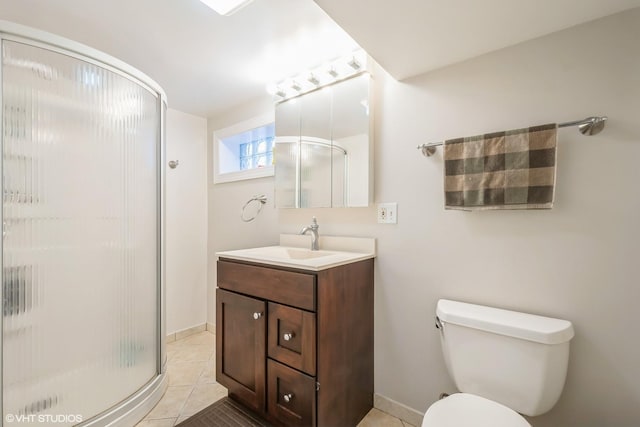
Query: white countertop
[(294, 251)]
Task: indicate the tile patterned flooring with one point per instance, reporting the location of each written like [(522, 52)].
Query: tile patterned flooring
[(191, 365)]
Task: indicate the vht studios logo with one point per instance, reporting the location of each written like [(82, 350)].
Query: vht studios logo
[(44, 418)]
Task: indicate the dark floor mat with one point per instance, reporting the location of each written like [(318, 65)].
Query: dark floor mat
[(225, 413)]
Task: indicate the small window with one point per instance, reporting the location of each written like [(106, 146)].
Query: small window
[(257, 152), (244, 150)]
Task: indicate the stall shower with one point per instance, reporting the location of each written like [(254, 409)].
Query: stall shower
[(82, 281)]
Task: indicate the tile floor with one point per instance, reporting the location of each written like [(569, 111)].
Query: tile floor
[(191, 364)]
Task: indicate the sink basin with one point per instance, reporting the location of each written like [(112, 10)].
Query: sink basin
[(289, 253), (296, 257), (305, 254)]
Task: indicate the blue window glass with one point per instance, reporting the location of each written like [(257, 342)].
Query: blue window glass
[(257, 151)]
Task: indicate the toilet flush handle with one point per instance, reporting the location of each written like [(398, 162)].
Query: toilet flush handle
[(439, 324)]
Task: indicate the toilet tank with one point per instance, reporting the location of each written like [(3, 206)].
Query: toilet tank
[(517, 359)]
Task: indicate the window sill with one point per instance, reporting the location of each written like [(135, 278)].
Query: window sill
[(243, 175)]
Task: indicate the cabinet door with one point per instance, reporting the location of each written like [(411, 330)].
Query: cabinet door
[(240, 347), (291, 397)]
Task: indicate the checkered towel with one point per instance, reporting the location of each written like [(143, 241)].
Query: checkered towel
[(503, 170)]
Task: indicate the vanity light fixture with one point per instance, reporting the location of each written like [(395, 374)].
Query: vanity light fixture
[(226, 7), (313, 79), (354, 63), (332, 72), (323, 75), (276, 90)]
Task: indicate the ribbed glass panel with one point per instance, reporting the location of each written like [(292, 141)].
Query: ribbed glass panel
[(351, 123), (315, 150), (80, 290), (286, 152), (338, 177), (315, 174)]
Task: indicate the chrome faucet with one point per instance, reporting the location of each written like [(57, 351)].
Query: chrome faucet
[(314, 233)]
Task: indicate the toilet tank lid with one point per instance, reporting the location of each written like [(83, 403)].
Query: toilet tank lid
[(531, 327)]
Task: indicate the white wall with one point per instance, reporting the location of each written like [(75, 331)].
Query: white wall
[(226, 230), (186, 221), (577, 261)]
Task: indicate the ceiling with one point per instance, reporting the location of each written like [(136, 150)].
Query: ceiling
[(410, 37), (206, 63), (209, 63)]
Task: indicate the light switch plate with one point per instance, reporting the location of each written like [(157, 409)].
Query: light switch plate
[(387, 213)]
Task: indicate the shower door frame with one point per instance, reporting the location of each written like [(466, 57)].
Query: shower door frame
[(134, 407)]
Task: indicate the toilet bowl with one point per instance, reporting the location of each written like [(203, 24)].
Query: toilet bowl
[(504, 363), (469, 410)]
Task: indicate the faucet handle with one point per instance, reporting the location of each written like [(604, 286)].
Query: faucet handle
[(314, 222)]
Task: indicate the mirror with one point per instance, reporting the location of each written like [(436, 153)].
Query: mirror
[(323, 150)]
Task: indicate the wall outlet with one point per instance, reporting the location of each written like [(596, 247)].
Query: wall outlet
[(387, 213)]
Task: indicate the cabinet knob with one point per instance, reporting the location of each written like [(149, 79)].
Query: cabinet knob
[(288, 397), (257, 315), (288, 336)]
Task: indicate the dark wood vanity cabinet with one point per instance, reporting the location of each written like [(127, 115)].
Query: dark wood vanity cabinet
[(294, 345), (240, 342)]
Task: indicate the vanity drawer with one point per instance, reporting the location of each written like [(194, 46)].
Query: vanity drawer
[(286, 287), (291, 396), (292, 337)]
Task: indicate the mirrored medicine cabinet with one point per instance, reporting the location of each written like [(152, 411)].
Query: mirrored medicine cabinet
[(323, 147)]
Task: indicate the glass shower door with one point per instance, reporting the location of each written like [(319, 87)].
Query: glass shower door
[(80, 147)]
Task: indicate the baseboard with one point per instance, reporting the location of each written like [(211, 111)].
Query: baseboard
[(398, 410), (211, 327), (186, 332)]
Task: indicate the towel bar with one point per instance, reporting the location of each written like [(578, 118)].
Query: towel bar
[(588, 126)]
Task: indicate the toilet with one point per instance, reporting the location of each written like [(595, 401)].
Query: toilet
[(504, 363)]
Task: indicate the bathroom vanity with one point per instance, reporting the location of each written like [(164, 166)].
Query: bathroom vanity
[(294, 342)]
